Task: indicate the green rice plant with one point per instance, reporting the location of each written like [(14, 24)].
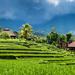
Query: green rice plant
[(31, 67)]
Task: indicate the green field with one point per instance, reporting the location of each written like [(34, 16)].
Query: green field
[(32, 67), (30, 58)]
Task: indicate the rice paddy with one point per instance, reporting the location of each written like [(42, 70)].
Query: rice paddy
[(21, 58)]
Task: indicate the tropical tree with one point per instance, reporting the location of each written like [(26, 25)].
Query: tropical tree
[(68, 36), (26, 31), (62, 41), (52, 37), (62, 38)]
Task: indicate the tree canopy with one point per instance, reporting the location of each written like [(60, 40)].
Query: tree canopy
[(26, 31)]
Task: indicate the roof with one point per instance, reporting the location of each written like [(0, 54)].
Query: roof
[(71, 44), (6, 29), (9, 32)]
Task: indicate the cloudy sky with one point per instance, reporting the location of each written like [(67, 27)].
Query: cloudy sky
[(35, 11)]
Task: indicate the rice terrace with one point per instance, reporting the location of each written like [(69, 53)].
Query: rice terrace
[(37, 37), (24, 53)]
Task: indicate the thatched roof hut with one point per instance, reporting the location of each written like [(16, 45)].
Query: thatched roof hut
[(10, 33)]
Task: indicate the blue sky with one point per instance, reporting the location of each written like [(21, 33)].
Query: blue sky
[(35, 11)]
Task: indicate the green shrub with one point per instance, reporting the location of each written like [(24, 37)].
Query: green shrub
[(4, 35)]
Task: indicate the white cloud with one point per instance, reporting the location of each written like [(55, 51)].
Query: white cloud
[(54, 2), (70, 0)]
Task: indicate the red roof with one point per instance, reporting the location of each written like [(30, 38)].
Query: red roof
[(71, 44)]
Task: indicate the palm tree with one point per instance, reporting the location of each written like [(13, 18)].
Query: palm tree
[(26, 31)]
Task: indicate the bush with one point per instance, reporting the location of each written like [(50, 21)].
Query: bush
[(4, 35)]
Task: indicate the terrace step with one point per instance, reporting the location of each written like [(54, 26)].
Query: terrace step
[(20, 49), (33, 55), (20, 56), (8, 57), (26, 52)]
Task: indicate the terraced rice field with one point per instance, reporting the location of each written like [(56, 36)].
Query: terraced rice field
[(15, 50), (34, 59)]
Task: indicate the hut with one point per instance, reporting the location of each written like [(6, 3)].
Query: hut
[(71, 45), (10, 33)]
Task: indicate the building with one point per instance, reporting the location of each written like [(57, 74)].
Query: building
[(71, 46), (10, 33)]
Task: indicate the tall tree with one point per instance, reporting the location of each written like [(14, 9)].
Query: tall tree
[(52, 36), (26, 31), (62, 38), (68, 36)]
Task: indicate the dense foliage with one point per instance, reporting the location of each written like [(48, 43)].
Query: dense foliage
[(4, 35), (26, 31), (69, 35)]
